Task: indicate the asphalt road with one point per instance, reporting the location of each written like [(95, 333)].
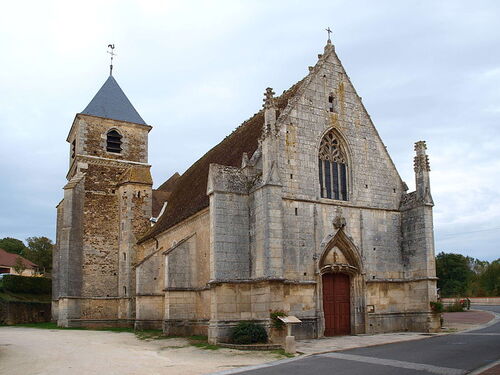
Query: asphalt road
[(454, 354)]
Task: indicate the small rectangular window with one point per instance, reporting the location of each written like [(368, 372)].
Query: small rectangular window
[(331, 103)]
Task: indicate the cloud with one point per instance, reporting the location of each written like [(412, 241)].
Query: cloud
[(196, 70)]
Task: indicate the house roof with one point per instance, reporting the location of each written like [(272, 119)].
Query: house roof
[(189, 194), (9, 260), (111, 102)]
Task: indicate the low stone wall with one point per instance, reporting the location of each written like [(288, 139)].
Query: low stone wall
[(403, 322), (489, 301), (180, 327), (24, 312)]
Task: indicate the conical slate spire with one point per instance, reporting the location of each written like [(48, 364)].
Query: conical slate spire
[(111, 102)]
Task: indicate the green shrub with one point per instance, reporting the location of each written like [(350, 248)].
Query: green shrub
[(455, 307), (24, 284), (248, 333), (437, 307), (275, 321)]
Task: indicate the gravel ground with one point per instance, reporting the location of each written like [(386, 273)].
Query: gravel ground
[(27, 351), (32, 351)]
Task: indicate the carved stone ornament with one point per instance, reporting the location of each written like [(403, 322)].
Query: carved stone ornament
[(421, 160), (339, 221), (343, 268), (268, 98)]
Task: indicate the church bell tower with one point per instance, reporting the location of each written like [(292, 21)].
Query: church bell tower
[(106, 207)]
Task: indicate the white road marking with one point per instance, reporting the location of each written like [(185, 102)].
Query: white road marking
[(394, 363), (479, 334)]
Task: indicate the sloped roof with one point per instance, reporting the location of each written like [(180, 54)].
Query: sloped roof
[(9, 260), (159, 199), (170, 183), (163, 193), (189, 194), (111, 102)]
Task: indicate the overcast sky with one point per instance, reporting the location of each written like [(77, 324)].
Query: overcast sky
[(427, 70)]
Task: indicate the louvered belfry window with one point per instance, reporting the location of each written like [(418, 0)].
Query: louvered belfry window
[(333, 168), (114, 142)]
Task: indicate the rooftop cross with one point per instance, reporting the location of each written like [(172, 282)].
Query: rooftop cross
[(329, 32), (113, 54)]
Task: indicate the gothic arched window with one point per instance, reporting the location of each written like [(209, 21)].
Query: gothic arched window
[(114, 142), (333, 168)]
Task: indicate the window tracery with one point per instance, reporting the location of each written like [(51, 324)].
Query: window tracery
[(333, 168)]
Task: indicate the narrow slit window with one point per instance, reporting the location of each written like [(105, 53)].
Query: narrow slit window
[(332, 104), (333, 168), (114, 142)]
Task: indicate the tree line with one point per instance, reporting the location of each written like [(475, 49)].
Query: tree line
[(464, 276)]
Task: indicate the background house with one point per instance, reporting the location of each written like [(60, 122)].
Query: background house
[(9, 263)]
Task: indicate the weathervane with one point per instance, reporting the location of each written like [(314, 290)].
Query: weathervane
[(329, 32), (113, 54)]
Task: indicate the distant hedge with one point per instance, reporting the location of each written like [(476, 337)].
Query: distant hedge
[(24, 284)]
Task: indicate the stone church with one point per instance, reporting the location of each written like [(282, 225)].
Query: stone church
[(300, 210)]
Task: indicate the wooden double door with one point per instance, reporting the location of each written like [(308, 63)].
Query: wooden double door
[(337, 304)]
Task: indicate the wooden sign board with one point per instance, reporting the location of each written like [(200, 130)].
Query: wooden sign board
[(289, 319)]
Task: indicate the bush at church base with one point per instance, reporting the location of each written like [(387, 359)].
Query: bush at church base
[(248, 333)]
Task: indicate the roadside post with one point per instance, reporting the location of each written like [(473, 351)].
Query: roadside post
[(289, 340)]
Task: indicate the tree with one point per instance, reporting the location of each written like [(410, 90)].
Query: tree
[(454, 274), (12, 245), (477, 266), (19, 267), (39, 251), (489, 280)]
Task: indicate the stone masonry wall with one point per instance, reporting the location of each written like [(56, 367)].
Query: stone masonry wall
[(135, 211), (229, 226), (151, 273), (90, 133), (101, 231)]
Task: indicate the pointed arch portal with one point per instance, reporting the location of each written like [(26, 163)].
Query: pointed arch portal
[(341, 296)]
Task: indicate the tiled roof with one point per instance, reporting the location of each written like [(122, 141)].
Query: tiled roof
[(189, 193), (111, 102), (159, 199), (162, 194), (170, 183), (9, 260)]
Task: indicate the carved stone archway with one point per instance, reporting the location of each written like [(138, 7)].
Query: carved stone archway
[(340, 255)]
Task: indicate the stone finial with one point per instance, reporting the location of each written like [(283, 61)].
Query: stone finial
[(421, 160), (339, 221), (269, 98)]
